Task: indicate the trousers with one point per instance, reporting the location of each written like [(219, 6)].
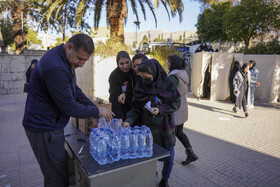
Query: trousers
[(48, 148)]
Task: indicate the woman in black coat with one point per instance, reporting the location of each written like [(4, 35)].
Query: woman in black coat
[(120, 82)]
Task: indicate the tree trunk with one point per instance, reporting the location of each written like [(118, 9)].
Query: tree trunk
[(247, 42), (64, 25), (20, 34), (116, 13), (1, 37)]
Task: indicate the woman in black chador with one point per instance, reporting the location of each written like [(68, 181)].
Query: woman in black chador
[(120, 89)]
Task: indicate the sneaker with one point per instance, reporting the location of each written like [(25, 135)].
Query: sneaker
[(251, 106), (234, 109), (246, 114)]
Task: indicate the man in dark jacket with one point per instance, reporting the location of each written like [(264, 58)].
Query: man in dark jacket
[(53, 97)]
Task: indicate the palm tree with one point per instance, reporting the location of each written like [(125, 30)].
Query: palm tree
[(18, 10), (117, 12)]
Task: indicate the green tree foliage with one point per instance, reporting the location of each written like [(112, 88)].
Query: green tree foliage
[(32, 37), (60, 41), (210, 24), (134, 44), (64, 16), (144, 39), (117, 11), (7, 33), (249, 19), (241, 22), (111, 48), (271, 47), (162, 52), (180, 38)]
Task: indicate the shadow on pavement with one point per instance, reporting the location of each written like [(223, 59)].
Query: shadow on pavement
[(222, 163)]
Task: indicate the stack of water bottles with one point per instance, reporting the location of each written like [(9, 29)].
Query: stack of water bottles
[(111, 142)]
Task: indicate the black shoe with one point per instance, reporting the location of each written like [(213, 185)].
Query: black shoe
[(189, 160), (246, 114), (163, 183), (191, 157), (234, 109)]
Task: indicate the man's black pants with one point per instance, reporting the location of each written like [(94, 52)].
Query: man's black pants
[(49, 151)]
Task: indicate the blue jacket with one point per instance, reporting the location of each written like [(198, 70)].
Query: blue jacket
[(54, 95), (254, 76)]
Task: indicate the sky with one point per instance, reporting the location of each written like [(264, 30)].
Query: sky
[(190, 14)]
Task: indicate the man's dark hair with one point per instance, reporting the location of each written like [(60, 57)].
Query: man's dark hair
[(139, 56), (82, 41), (122, 54)]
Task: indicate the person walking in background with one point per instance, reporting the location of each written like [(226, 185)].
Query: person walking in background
[(253, 81), (236, 68), (52, 98), (156, 88), (120, 82), (30, 68), (240, 89), (28, 74), (179, 77)]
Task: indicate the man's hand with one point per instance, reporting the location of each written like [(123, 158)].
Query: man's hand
[(125, 124), (107, 114), (258, 84), (155, 112), (235, 91), (121, 98)]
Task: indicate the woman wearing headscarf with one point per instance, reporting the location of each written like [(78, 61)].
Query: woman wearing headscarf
[(120, 82), (240, 88), (30, 68), (136, 60), (28, 74), (179, 76), (236, 67), (155, 83), (253, 82)]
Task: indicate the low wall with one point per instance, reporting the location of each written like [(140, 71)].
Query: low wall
[(92, 78), (12, 72)]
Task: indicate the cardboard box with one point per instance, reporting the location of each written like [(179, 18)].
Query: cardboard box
[(74, 122), (85, 125)]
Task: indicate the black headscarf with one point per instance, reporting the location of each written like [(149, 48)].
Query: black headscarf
[(29, 70), (176, 63), (161, 84)]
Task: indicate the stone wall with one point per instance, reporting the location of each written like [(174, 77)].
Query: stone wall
[(92, 78), (12, 72)]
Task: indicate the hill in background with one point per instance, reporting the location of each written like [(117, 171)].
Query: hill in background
[(130, 37)]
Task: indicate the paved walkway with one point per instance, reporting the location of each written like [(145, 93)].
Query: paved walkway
[(232, 150)]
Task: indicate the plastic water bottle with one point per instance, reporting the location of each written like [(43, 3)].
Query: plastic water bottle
[(109, 143), (95, 143), (115, 147), (101, 151), (124, 145), (136, 129), (158, 101), (91, 140), (149, 143), (141, 144), (133, 145), (101, 122)]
